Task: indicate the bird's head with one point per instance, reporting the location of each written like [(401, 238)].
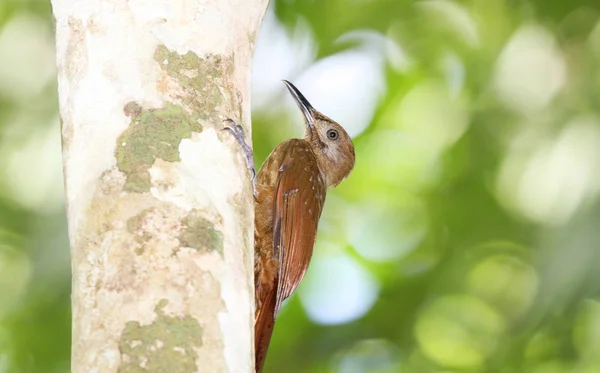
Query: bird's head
[(331, 144)]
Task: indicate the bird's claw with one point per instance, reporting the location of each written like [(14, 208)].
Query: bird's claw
[(238, 132)]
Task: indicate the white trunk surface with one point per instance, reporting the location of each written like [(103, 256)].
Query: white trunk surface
[(160, 205)]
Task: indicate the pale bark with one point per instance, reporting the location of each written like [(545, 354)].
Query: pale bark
[(159, 199)]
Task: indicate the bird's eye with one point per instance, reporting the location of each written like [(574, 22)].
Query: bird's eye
[(332, 134)]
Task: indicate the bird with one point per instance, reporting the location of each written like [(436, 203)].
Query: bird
[(289, 193)]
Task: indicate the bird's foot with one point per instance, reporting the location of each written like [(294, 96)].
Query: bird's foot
[(238, 132)]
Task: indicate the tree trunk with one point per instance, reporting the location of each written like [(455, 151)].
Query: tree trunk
[(159, 200)]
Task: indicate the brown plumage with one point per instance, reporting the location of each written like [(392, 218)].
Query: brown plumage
[(290, 193)]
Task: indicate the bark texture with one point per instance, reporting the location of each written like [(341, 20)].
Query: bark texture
[(160, 204)]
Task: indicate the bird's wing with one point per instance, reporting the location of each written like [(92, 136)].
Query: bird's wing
[(298, 201)]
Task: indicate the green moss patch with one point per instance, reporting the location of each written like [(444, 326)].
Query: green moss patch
[(166, 345), (200, 234), (200, 79), (152, 134), (135, 227)]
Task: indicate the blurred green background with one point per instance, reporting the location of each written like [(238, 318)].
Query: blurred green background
[(467, 239)]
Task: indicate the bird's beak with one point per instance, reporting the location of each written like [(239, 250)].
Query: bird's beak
[(302, 102)]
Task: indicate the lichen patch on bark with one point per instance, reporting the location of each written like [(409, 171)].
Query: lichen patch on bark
[(76, 66), (130, 255), (199, 233), (135, 227), (166, 345), (203, 83), (153, 133)]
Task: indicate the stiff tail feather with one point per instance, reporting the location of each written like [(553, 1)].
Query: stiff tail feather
[(263, 328)]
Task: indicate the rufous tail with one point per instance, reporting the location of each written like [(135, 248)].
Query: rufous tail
[(263, 329)]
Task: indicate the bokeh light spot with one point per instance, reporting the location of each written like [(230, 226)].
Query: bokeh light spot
[(455, 17), (370, 356), (382, 232), (459, 331), (346, 87), (24, 41), (33, 168), (388, 154), (530, 70), (549, 182), (431, 113), (454, 70), (506, 282), (337, 290), (279, 55)]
